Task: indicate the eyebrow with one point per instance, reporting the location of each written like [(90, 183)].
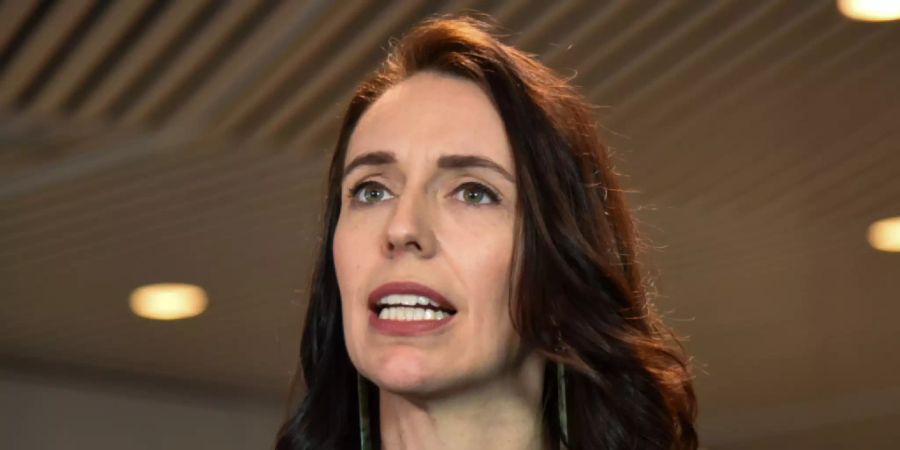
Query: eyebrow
[(376, 158), (465, 161), (381, 157)]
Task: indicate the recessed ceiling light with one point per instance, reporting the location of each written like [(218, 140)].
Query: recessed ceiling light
[(884, 234), (870, 10), (168, 301)]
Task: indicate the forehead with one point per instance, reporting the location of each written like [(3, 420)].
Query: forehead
[(430, 114)]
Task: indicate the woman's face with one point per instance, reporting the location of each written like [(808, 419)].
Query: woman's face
[(428, 198)]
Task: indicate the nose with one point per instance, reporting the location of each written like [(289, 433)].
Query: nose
[(409, 228)]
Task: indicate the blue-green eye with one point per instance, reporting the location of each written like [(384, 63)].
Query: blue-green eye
[(476, 194), (369, 192)]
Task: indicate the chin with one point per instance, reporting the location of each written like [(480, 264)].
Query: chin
[(406, 372)]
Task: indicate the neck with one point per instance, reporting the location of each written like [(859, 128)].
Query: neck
[(502, 414)]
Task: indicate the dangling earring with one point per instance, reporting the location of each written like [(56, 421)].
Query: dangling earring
[(562, 410), (561, 403), (365, 432)]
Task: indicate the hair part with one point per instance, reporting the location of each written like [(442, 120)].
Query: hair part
[(628, 379)]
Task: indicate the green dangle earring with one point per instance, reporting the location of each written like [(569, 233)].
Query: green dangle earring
[(365, 430), (561, 404)]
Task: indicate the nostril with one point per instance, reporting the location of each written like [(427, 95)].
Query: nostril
[(412, 246)]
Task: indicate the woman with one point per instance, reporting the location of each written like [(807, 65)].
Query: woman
[(476, 285)]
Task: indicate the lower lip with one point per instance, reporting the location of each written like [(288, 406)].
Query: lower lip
[(406, 327)]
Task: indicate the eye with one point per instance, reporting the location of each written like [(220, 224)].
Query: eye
[(476, 194), (369, 192)]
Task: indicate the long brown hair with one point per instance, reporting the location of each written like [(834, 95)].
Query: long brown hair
[(578, 297)]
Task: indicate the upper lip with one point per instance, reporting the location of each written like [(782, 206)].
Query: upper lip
[(408, 287)]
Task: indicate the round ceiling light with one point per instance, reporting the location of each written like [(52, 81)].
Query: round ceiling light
[(870, 10), (884, 234), (168, 301)]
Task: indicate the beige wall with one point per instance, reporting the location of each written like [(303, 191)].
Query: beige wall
[(42, 414)]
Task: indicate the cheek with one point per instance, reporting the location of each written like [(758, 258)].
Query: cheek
[(342, 260), (484, 253), (350, 254), (484, 260), (349, 262)]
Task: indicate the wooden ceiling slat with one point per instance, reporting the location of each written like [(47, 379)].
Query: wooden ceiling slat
[(134, 236), (795, 202), (810, 68), (178, 97), (321, 127), (365, 41), (591, 31), (228, 118), (12, 15), (691, 67), (43, 201), (865, 180), (793, 186), (775, 248), (138, 192), (647, 23), (136, 62), (685, 115), (770, 235), (881, 202), (718, 143), (270, 46), (705, 18), (746, 154), (779, 59), (189, 60), (678, 107), (537, 28), (112, 25), (507, 9), (676, 57), (131, 219), (38, 48)]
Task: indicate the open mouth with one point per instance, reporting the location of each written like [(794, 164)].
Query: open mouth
[(408, 307)]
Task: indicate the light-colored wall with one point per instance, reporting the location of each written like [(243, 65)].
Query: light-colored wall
[(41, 414)]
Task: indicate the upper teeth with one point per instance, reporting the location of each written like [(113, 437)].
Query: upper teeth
[(407, 300), (404, 313)]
